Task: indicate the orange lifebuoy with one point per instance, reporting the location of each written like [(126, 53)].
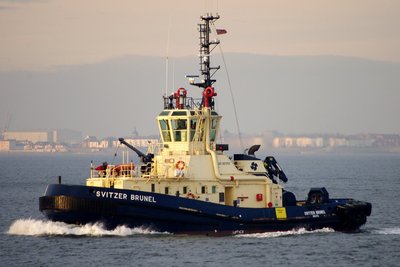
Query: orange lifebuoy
[(180, 165)]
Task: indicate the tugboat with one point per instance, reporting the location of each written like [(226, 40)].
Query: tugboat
[(188, 184)]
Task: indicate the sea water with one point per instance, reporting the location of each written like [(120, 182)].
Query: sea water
[(28, 239)]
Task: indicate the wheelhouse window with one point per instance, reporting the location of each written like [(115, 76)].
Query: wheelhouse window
[(213, 129), (193, 124), (179, 127), (165, 130), (179, 113), (164, 113)]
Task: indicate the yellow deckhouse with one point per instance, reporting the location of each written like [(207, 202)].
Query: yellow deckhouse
[(194, 165)]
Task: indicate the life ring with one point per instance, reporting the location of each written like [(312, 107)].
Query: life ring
[(180, 165), (191, 195)]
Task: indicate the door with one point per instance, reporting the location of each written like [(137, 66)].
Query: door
[(229, 195)]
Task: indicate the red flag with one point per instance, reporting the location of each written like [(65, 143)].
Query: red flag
[(221, 31)]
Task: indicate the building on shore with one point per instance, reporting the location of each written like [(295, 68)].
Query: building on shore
[(33, 137), (39, 141), (8, 145), (299, 142), (91, 142), (53, 136)]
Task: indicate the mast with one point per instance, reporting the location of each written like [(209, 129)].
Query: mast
[(206, 70)]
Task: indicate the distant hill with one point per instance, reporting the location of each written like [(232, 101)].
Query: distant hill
[(291, 94)]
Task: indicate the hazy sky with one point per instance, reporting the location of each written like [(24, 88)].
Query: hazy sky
[(104, 46), (38, 34)]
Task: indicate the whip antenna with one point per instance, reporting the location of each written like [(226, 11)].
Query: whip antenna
[(231, 92), (167, 57)]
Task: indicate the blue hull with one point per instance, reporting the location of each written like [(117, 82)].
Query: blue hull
[(165, 213)]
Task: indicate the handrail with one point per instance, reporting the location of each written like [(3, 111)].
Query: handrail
[(190, 103), (113, 171), (208, 148)]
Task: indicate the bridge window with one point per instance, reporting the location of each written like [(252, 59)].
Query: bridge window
[(179, 127), (213, 129), (179, 113), (193, 124), (164, 113), (165, 131)]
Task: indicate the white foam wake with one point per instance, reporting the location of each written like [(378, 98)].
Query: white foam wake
[(300, 231), (33, 227), (389, 231)]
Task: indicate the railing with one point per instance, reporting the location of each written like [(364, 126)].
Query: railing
[(189, 103), (113, 171)]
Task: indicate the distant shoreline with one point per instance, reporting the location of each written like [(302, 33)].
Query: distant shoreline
[(261, 153)]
